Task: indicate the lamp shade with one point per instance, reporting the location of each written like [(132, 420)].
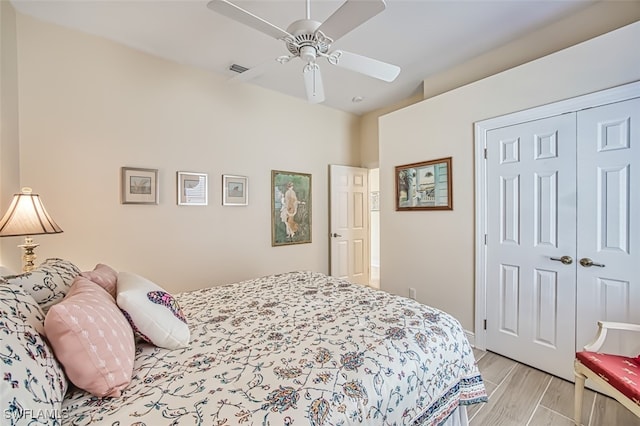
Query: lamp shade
[(27, 216)]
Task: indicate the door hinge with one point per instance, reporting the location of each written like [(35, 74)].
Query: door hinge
[(485, 239), (485, 153), (485, 324)]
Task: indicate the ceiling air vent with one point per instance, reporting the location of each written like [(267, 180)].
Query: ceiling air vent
[(238, 68)]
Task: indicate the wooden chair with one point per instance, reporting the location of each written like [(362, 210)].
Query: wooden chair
[(618, 375)]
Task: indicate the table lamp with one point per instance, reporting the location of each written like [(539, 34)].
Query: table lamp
[(27, 216)]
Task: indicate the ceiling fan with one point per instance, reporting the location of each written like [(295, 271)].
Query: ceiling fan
[(308, 40)]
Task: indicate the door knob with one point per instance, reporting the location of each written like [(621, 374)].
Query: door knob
[(566, 260), (586, 262), (334, 235)]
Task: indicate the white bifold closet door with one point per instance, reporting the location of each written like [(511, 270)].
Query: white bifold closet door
[(560, 202)]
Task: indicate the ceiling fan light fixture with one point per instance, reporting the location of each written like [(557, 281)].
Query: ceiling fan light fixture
[(308, 54)]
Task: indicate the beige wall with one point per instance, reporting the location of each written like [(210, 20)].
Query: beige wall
[(89, 106), (9, 147), (369, 131), (434, 251)]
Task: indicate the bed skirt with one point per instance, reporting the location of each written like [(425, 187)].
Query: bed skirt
[(458, 417)]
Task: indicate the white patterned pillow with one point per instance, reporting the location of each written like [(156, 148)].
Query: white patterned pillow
[(153, 313), (48, 283), (33, 383)]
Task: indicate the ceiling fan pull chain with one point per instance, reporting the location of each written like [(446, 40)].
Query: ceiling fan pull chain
[(313, 82), (315, 79)]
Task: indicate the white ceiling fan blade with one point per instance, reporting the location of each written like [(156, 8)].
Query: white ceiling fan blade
[(350, 15), (237, 13), (313, 83), (364, 65)]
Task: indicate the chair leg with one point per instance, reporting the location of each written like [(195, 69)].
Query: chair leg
[(579, 391)]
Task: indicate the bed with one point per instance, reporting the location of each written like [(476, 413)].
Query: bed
[(299, 348)]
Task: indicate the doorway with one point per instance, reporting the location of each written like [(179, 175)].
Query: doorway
[(374, 223)]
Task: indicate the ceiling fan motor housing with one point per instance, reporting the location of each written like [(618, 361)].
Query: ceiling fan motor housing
[(306, 42)]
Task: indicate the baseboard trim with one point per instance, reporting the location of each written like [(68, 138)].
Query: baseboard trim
[(471, 337)]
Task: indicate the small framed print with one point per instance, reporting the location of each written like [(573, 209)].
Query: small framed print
[(235, 190), (139, 186), (192, 189), (375, 201)]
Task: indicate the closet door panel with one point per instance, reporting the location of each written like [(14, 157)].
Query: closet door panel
[(608, 220), (531, 190)]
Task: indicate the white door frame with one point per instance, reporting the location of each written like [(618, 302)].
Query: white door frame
[(607, 96)]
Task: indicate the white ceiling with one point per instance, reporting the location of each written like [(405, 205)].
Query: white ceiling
[(423, 37)]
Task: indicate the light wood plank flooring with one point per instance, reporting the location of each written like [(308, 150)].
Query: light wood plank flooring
[(523, 396)]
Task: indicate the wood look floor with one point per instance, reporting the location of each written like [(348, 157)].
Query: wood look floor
[(523, 396)]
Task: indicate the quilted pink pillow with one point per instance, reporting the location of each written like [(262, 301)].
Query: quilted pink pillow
[(105, 276), (92, 339)]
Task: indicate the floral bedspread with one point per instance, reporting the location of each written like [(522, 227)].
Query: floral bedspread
[(295, 349)]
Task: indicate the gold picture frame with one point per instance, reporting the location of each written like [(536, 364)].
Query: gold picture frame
[(290, 208), (425, 186)]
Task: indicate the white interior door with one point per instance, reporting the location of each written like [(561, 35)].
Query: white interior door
[(563, 187), (608, 221), (349, 223), (531, 217)]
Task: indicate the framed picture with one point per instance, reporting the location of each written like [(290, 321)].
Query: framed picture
[(375, 201), (192, 189), (425, 186), (139, 186), (235, 190), (290, 208)]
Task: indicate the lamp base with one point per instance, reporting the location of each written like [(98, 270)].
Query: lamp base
[(29, 256)]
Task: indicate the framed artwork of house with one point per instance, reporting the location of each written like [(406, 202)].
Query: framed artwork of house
[(425, 186)]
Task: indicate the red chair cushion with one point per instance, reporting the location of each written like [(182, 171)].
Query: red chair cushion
[(621, 372)]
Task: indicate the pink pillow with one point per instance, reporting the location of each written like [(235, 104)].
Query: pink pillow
[(105, 276), (92, 339)]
